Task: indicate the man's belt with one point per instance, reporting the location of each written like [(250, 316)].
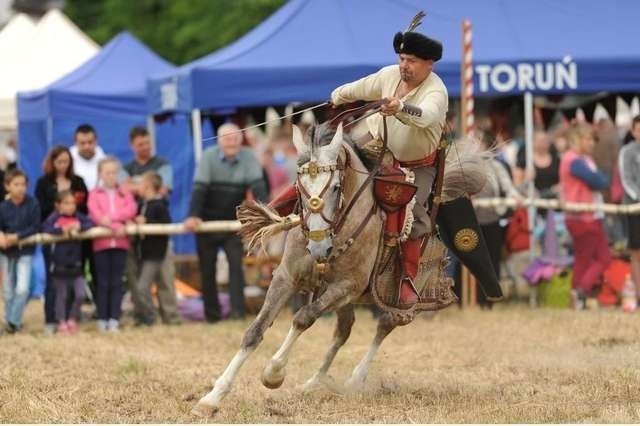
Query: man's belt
[(429, 160)]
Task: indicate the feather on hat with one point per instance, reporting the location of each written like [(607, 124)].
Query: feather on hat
[(413, 43)]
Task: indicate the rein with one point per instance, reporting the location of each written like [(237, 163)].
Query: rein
[(372, 173), (374, 106)]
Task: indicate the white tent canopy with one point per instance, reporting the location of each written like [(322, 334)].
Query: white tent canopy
[(55, 48), (15, 35)]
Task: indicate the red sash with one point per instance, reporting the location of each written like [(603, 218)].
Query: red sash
[(429, 160)]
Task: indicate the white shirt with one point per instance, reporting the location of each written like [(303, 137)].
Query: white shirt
[(87, 169), (411, 137)]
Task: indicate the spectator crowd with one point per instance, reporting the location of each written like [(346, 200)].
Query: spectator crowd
[(573, 162), (82, 187)]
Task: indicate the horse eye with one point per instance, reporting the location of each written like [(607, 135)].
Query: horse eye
[(336, 188)]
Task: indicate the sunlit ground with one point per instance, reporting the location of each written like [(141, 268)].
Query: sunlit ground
[(510, 365)]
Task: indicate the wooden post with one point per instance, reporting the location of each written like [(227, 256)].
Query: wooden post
[(466, 76), (467, 121)]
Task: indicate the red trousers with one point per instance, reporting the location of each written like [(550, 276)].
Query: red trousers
[(591, 253)]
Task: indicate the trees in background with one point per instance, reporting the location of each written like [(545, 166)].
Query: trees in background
[(178, 30)]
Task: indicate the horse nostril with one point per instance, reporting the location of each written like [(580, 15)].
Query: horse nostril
[(329, 251)]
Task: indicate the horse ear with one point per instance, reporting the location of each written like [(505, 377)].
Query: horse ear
[(334, 147), (298, 141)]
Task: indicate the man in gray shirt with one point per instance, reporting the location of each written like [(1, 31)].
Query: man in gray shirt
[(224, 177), (629, 166)]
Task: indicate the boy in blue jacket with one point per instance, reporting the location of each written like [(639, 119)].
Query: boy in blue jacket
[(19, 218)]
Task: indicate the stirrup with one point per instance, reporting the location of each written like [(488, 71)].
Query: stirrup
[(403, 305)]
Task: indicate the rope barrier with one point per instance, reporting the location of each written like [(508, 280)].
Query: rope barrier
[(553, 204), (228, 226), (216, 226)]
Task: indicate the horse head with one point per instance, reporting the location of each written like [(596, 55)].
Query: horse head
[(319, 184)]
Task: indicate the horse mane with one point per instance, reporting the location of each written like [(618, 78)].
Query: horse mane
[(321, 135)]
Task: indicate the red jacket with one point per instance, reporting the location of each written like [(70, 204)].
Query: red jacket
[(574, 189), (119, 207)]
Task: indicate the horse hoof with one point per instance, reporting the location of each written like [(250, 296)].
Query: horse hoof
[(312, 385), (271, 378), (204, 410), (353, 386), (322, 382)]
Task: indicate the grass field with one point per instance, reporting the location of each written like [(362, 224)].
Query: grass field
[(510, 365)]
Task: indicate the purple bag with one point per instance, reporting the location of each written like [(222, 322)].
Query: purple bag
[(550, 263), (192, 308)]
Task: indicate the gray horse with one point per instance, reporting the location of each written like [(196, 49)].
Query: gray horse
[(327, 182)]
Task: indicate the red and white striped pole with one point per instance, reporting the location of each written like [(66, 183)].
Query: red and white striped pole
[(467, 122), (466, 77)]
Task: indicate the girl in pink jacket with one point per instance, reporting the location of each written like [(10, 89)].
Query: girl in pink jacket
[(111, 206)]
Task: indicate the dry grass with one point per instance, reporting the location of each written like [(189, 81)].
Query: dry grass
[(510, 365)]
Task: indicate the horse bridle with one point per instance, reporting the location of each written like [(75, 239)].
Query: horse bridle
[(315, 203)]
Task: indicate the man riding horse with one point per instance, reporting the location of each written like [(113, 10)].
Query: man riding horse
[(417, 107), (417, 102)]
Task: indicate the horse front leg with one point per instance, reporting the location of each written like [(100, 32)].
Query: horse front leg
[(280, 289), (336, 295), (386, 324), (344, 323)]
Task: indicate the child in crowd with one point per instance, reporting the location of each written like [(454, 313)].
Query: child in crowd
[(65, 264), (582, 182), (151, 250), (19, 218), (111, 206)]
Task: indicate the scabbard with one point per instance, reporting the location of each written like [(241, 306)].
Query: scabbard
[(459, 230)]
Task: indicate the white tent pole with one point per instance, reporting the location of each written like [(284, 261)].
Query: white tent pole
[(528, 138), (531, 211), (196, 126), (151, 128)]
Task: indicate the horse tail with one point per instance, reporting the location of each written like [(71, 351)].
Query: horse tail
[(259, 222), (466, 170)]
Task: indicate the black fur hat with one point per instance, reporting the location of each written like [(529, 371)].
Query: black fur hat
[(413, 43)]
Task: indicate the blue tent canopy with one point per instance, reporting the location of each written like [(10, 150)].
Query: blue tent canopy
[(111, 83), (108, 91), (308, 47)]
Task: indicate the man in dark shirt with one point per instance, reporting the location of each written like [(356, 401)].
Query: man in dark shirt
[(223, 178), (144, 161)]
